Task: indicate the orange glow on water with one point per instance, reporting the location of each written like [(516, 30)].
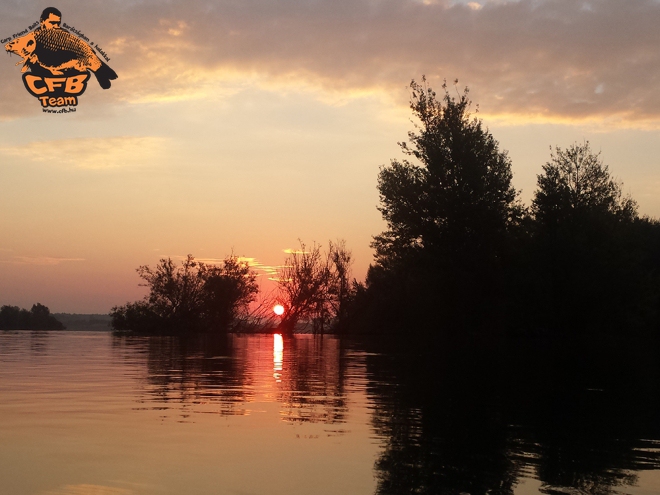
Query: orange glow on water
[(172, 405), (278, 356)]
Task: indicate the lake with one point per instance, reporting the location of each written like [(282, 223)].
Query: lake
[(89, 413)]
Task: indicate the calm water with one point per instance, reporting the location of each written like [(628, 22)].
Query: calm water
[(86, 413)]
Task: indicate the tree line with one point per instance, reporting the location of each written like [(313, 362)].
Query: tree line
[(37, 318), (313, 289), (461, 252)]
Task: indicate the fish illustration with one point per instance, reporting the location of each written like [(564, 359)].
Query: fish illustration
[(57, 50), (23, 47)]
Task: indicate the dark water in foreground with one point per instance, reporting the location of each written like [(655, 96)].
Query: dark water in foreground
[(86, 413)]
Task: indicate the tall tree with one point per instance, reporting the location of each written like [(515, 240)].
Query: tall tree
[(459, 197), (588, 247), (448, 214)]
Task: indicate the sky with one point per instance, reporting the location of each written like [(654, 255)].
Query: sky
[(242, 126)]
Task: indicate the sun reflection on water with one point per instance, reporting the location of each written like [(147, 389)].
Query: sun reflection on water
[(278, 355)]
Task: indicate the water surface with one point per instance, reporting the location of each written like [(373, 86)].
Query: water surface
[(86, 413)]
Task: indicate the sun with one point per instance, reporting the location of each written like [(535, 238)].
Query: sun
[(278, 309)]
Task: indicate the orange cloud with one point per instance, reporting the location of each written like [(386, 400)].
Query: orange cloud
[(554, 59)]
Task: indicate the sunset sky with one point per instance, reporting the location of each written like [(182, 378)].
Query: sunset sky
[(246, 124)]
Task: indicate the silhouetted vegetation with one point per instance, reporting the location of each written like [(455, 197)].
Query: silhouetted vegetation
[(461, 254), (451, 218), (37, 318), (188, 298), (589, 249), (315, 286)]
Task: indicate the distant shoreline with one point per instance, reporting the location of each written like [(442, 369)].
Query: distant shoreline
[(90, 322)]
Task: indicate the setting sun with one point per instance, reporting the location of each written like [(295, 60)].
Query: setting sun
[(278, 309)]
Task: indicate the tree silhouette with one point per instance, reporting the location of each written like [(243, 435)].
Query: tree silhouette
[(588, 253), (193, 296), (314, 285), (175, 293), (228, 291), (38, 318), (449, 216), (459, 197), (576, 186)]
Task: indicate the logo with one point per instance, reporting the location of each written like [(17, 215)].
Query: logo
[(57, 63)]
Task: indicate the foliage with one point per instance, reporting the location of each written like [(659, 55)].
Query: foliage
[(228, 291), (344, 291), (450, 216), (139, 317), (576, 185), (175, 293), (314, 286), (459, 197), (38, 318), (590, 251), (461, 254), (193, 296)]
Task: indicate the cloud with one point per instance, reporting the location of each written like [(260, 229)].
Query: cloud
[(91, 153), (262, 269), (294, 251), (38, 260), (549, 60), (256, 265)]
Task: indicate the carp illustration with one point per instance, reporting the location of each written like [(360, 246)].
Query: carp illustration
[(57, 50)]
